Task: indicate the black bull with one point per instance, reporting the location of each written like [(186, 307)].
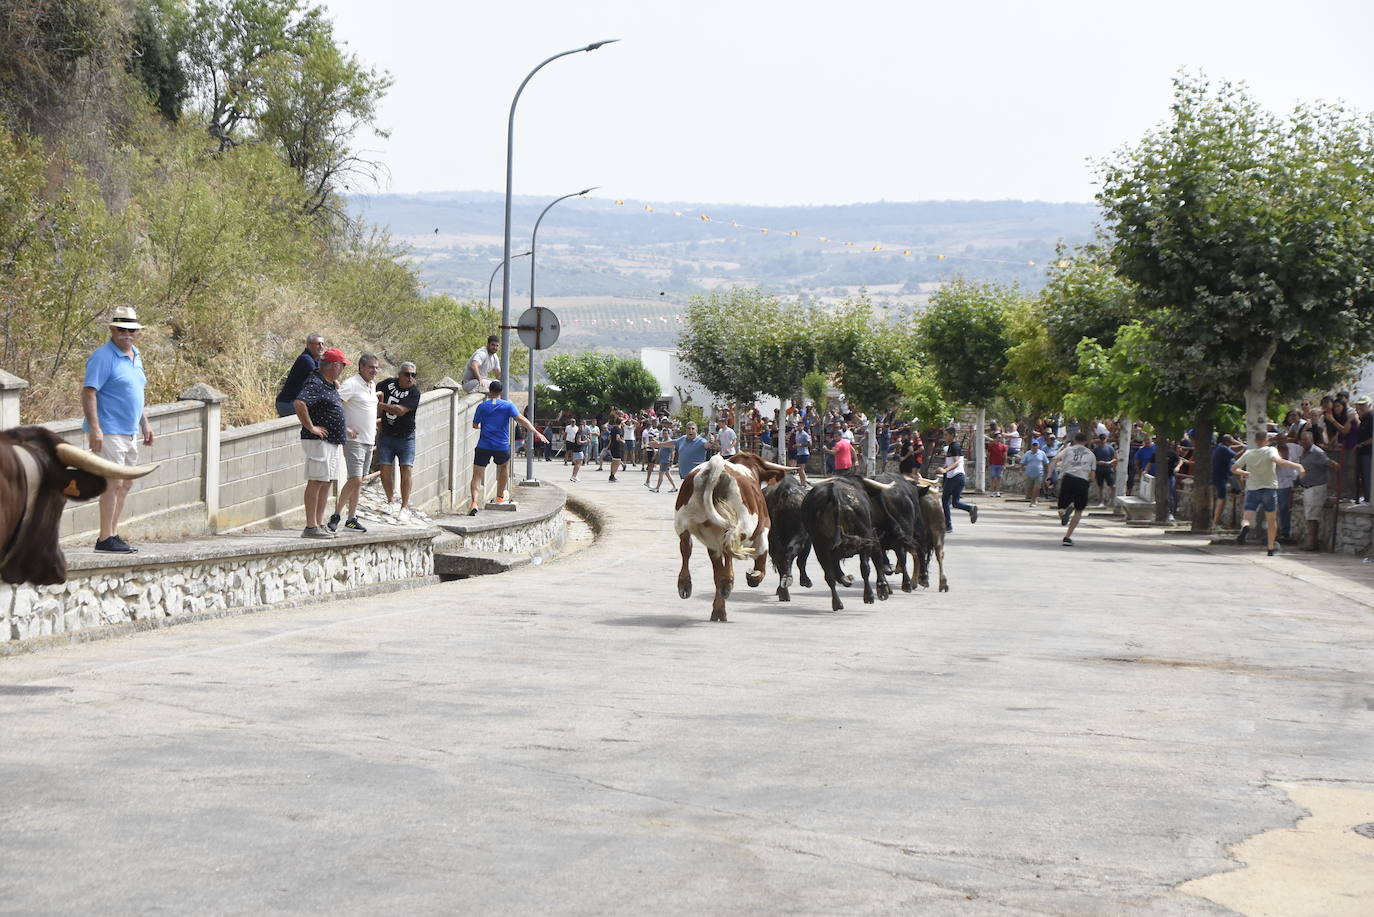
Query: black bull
[(38, 474)]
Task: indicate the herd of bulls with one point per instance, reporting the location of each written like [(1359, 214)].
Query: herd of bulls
[(746, 507)]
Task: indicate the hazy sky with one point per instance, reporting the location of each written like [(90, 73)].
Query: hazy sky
[(810, 102)]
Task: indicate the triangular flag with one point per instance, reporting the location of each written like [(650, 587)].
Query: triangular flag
[(906, 251), (876, 248), (792, 233), (763, 230), (648, 208), (677, 213), (620, 202), (705, 218)]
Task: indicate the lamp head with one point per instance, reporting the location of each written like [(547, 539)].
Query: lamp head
[(585, 191), (594, 45)]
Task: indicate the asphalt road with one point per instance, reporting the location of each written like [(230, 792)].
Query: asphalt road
[(1068, 731)]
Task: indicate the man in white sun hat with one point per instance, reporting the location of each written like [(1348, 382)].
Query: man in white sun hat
[(112, 402)]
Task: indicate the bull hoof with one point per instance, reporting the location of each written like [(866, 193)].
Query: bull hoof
[(944, 587), (837, 605), (805, 581), (924, 582), (888, 569), (784, 595), (906, 585), (753, 579), (847, 580), (684, 588), (717, 616), (868, 598)]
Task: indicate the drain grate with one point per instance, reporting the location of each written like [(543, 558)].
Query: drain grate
[(1366, 830)]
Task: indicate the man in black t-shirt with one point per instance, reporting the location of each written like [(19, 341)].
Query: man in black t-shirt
[(399, 398)]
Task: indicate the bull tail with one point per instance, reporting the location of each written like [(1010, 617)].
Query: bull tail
[(720, 508)]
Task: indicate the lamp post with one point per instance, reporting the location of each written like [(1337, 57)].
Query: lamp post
[(505, 253), (529, 407), (498, 267)]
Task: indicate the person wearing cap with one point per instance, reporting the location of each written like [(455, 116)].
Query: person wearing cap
[(399, 398), (112, 402), (323, 431), (484, 365), (493, 418), (306, 363)]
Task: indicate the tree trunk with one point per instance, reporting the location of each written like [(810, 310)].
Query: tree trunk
[(980, 449), (1202, 467), (1123, 459), (1257, 395), (780, 434), (1162, 449)]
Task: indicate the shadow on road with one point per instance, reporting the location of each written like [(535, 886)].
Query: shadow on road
[(653, 621)]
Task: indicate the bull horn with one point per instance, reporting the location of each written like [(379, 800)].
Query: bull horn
[(88, 461), (774, 466), (877, 485)]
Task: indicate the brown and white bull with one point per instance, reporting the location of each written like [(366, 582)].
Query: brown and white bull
[(39, 473), (721, 505)]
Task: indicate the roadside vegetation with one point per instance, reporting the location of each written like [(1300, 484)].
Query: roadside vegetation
[(191, 158)]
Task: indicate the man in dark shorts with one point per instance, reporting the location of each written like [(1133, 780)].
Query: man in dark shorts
[(1078, 463), (615, 442), (493, 418)]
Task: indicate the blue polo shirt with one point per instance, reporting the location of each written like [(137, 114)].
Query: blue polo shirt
[(119, 381), (690, 454), (494, 416)]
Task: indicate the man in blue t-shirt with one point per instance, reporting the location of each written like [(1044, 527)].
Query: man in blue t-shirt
[(691, 451), (493, 418), (116, 417)]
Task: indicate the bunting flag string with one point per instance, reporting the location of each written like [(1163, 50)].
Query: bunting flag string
[(907, 251)]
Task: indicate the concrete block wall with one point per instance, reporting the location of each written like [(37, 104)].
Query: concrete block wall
[(261, 474), (211, 480), (172, 493)]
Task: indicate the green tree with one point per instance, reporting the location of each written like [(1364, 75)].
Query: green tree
[(1248, 238), (630, 386), (964, 336), (581, 379)]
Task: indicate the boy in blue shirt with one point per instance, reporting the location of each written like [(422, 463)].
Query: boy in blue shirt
[(493, 418)]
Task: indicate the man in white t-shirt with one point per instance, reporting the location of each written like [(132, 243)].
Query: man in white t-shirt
[(727, 439), (483, 368), (1077, 462), (359, 397)]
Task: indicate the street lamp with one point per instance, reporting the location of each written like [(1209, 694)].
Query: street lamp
[(505, 253), (529, 407), (498, 267)]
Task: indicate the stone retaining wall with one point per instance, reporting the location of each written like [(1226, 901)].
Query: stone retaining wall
[(223, 575)]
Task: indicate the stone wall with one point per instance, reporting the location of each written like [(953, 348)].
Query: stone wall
[(224, 575)]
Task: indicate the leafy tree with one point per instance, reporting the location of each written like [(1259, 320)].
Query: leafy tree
[(1248, 238), (865, 355), (581, 379), (746, 343), (964, 336), (630, 386), (922, 397)]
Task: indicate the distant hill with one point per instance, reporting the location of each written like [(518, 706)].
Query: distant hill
[(618, 274)]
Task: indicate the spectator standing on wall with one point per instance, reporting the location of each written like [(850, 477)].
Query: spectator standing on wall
[(306, 363), (484, 366), (323, 431), (493, 417), (359, 397), (399, 398), (1364, 442), (112, 402)]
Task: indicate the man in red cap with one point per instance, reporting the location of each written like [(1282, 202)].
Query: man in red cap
[(323, 431)]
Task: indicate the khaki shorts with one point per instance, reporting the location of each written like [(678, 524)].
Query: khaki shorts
[(1313, 501), (321, 460), (120, 449), (357, 458)]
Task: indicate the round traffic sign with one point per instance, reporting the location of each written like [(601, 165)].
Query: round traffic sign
[(538, 328)]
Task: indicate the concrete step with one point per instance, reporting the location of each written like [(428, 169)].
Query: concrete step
[(478, 563)]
